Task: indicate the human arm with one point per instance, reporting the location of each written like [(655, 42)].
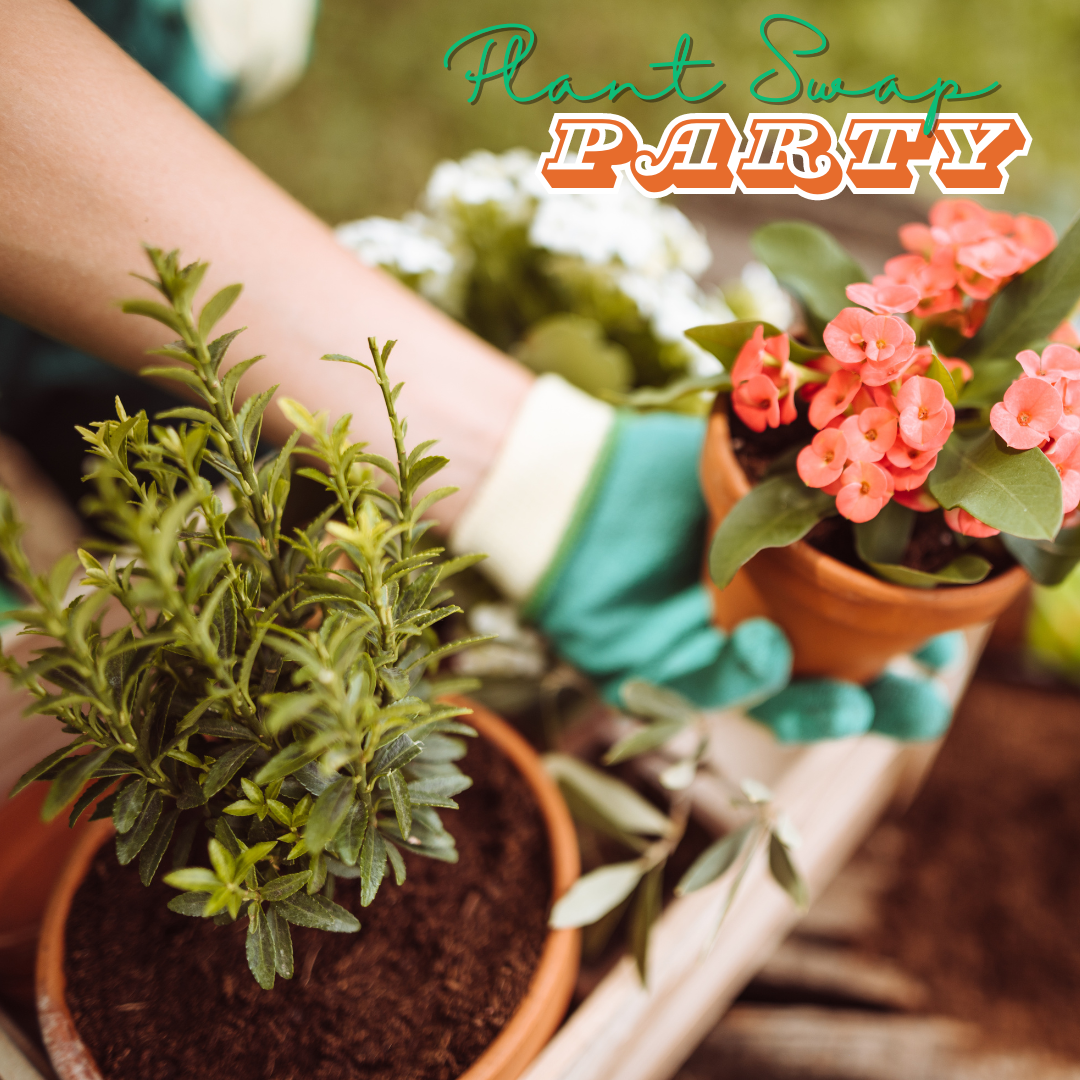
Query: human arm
[(96, 158)]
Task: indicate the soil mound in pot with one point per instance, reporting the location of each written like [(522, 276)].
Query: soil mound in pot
[(438, 967)]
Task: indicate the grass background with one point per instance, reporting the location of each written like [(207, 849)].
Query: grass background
[(376, 109)]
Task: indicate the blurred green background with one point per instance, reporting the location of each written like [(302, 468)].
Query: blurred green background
[(376, 109)]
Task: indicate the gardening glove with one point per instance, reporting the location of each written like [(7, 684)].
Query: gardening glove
[(594, 520), (906, 702)]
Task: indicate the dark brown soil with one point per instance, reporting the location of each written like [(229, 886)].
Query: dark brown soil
[(437, 969), (986, 906)]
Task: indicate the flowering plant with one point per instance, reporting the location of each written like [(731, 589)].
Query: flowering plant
[(598, 288), (939, 400)]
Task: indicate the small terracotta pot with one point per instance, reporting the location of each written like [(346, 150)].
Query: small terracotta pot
[(841, 622), (509, 1054), (32, 857)]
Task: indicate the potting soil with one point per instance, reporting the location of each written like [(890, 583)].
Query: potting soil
[(438, 967)]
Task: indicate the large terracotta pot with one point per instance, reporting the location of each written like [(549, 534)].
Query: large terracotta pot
[(524, 1035), (841, 622)]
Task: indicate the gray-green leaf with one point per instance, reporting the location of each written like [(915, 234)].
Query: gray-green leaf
[(595, 894), (785, 873), (714, 861)]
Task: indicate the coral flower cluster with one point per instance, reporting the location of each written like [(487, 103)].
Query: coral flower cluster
[(881, 418), (1042, 408), (964, 257)]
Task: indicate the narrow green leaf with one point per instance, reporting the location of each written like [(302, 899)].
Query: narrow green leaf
[(595, 894), (641, 741), (372, 864), (87, 797), (396, 861), (153, 310), (785, 873), (714, 861), (646, 699), (47, 763), (318, 913), (287, 761), (131, 843), (775, 513), (610, 798), (394, 755), (399, 793), (260, 948), (280, 888), (154, 848), (216, 307), (192, 904), (71, 780), (1016, 491), (281, 937), (328, 813), (645, 912), (196, 879), (226, 767)]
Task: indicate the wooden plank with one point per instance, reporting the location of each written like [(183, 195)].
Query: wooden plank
[(834, 792)]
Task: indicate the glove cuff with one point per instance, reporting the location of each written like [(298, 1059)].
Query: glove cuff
[(526, 504)]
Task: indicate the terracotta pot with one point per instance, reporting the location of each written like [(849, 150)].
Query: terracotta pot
[(841, 622), (32, 857), (535, 1021)]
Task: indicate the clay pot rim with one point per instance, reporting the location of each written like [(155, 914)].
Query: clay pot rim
[(832, 573), (509, 1053)]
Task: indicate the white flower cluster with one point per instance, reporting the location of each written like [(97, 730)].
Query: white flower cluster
[(654, 254)]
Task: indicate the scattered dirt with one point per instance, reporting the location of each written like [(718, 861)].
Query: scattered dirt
[(986, 905), (437, 969)]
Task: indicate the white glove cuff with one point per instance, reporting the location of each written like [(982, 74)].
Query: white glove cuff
[(524, 506)]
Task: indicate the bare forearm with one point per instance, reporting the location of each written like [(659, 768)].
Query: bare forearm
[(98, 158)]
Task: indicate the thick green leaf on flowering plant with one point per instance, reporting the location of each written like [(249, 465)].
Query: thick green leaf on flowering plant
[(595, 894), (71, 780), (1029, 308), (808, 260), (882, 541), (990, 379), (965, 569), (1049, 562), (775, 513), (724, 340), (1016, 491), (944, 378)]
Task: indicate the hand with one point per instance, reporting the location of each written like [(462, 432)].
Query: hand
[(596, 521)]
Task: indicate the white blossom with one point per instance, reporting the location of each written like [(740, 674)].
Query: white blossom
[(766, 298), (623, 226), (508, 180)]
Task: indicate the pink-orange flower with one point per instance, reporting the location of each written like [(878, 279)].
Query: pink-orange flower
[(903, 456), (880, 346), (920, 499), (1064, 455), (884, 296), (865, 489), (1030, 411), (764, 358), (959, 520), (834, 397), (1057, 361), (912, 478), (844, 337), (1070, 407), (926, 417), (822, 462), (869, 434), (757, 403)]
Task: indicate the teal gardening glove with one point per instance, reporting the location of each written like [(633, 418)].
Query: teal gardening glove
[(594, 519)]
